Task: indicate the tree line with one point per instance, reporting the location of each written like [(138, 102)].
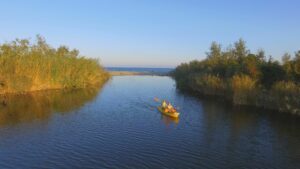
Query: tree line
[(244, 77)]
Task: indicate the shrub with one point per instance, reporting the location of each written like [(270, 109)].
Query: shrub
[(286, 96), (243, 89), (209, 84)]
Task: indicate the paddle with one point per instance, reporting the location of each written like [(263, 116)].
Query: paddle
[(156, 99)]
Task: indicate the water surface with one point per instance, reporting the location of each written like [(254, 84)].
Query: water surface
[(160, 71), (118, 126)]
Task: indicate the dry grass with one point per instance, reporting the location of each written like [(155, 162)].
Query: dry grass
[(29, 67), (244, 89)]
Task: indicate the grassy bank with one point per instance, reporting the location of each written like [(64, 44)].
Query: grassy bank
[(244, 78), (28, 67)]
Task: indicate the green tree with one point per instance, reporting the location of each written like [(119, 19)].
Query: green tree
[(297, 64), (271, 73), (240, 49), (287, 65), (297, 55), (261, 55), (215, 51)]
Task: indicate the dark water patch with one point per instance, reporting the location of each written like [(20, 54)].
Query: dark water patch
[(41, 105)]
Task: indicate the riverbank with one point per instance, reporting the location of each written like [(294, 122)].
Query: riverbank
[(244, 78), (27, 67)]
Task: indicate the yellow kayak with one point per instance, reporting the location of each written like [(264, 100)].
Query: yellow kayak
[(174, 115)]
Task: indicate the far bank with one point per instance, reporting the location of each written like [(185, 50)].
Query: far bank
[(244, 78)]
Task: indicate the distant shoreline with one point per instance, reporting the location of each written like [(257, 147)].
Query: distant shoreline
[(131, 73)]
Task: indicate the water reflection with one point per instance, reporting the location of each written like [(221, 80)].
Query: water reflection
[(237, 120), (168, 120), (255, 133), (40, 105)]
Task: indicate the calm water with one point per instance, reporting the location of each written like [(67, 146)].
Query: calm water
[(142, 70), (119, 127)]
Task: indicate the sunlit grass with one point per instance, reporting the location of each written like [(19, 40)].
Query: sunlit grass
[(38, 66)]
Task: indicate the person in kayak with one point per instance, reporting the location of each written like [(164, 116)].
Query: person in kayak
[(167, 107), (164, 104), (170, 108)]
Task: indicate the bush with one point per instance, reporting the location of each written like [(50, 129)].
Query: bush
[(243, 89), (209, 84), (286, 96)]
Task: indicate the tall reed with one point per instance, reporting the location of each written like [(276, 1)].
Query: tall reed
[(29, 67)]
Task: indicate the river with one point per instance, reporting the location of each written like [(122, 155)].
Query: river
[(118, 126)]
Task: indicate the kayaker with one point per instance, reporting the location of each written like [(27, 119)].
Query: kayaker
[(171, 108), (164, 104)]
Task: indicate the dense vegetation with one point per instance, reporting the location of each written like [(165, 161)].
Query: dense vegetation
[(29, 67), (244, 78)]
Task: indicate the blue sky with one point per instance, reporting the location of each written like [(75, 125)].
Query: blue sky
[(154, 33)]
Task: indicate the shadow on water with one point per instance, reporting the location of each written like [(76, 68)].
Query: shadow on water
[(257, 133), (41, 105), (168, 120)]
